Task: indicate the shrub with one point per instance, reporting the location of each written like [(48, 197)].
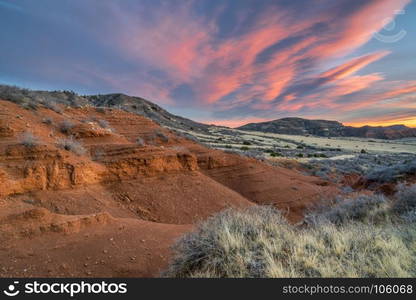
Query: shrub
[(255, 154), (103, 123), (246, 143), (98, 154), (53, 106), (299, 155), (363, 208), (244, 148), (30, 105), (392, 173), (163, 137), (47, 121), (257, 242), (405, 198), (275, 154), (70, 144), (140, 141), (66, 126), (29, 140), (101, 110)]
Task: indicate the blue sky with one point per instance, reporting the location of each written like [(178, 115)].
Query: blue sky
[(222, 61)]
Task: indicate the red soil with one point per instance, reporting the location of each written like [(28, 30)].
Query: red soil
[(117, 209)]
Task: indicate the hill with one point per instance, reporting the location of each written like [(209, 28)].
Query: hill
[(299, 126), (54, 99), (104, 192)]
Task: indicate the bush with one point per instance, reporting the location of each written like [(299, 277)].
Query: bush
[(163, 137), (392, 173), (70, 144), (66, 126), (103, 123), (140, 142), (53, 106), (245, 148), (258, 242), (101, 110), (368, 209), (405, 198), (255, 154), (29, 140), (246, 143), (99, 154), (47, 121)]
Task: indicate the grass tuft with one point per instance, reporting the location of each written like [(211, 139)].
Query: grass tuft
[(258, 242)]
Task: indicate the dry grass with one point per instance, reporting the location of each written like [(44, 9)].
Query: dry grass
[(28, 139), (258, 242), (70, 144), (66, 126)]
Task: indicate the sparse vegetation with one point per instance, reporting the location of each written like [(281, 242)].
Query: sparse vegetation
[(103, 123), (369, 209), (163, 137), (66, 126), (47, 121), (101, 110), (405, 199), (53, 106), (70, 144), (140, 142), (98, 154), (28, 139), (393, 172), (258, 242), (379, 168)]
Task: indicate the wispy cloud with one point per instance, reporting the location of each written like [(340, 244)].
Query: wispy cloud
[(240, 60)]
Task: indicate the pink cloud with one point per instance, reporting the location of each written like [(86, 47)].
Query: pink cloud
[(225, 73), (353, 66)]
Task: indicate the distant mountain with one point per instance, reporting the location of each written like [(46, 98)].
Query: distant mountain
[(299, 126)]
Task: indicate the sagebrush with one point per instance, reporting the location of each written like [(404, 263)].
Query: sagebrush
[(258, 242)]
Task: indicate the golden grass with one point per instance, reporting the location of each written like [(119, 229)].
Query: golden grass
[(258, 242)]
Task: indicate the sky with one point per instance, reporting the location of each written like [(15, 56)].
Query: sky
[(224, 62)]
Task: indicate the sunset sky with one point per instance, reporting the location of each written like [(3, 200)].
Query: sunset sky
[(226, 62)]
